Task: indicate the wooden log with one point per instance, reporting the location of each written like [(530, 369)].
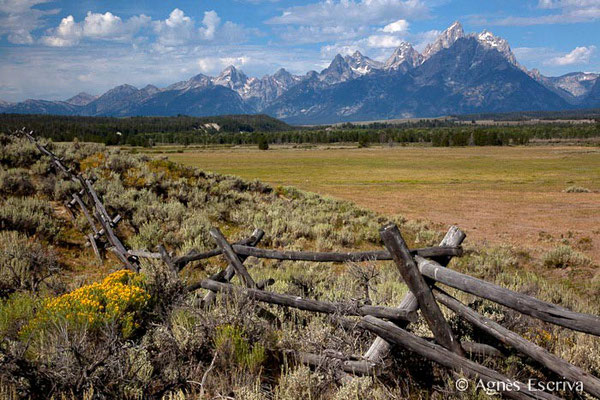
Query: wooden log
[(94, 246), (194, 255), (554, 363), (166, 257), (86, 212), (144, 254), (325, 307), (104, 219), (508, 387), (232, 257), (407, 267), (341, 257), (517, 301), (69, 209), (113, 224), (227, 274), (357, 367), (380, 348)]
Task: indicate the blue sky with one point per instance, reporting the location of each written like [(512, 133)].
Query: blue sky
[(55, 49)]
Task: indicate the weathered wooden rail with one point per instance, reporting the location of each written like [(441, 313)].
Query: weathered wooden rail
[(421, 270)]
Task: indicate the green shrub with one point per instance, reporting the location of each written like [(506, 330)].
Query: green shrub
[(62, 190), (18, 152), (565, 257), (15, 312), (29, 215), (233, 346), (15, 182), (363, 141), (263, 143), (24, 263)]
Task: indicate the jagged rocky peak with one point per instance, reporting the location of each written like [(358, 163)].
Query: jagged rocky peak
[(338, 71), (360, 64), (231, 77), (404, 57), (197, 81), (283, 77), (282, 73), (80, 99), (150, 89), (576, 83), (491, 41), (444, 40)]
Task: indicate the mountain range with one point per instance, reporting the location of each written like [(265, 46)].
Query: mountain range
[(458, 73)]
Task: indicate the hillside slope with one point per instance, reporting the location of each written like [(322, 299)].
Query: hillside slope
[(158, 343)]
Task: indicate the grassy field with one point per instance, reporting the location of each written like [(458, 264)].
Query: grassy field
[(497, 194)]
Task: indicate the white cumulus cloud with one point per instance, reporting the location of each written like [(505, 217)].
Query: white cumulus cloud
[(579, 55), (385, 41), (397, 27), (211, 22), (105, 26)]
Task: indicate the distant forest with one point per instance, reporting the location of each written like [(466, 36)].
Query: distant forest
[(589, 113), (131, 130), (254, 129)]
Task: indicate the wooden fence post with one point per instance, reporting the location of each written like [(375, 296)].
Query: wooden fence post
[(226, 274), (380, 348), (400, 252), (232, 257)]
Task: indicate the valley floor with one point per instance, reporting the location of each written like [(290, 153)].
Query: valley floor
[(497, 194)]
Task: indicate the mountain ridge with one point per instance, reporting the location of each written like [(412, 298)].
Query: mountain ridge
[(457, 73)]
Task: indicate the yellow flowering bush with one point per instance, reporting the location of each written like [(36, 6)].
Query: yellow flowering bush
[(121, 297)]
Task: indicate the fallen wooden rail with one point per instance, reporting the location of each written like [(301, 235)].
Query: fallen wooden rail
[(326, 307), (517, 301), (447, 358), (377, 255), (554, 363)]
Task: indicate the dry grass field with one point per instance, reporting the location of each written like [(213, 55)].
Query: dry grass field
[(497, 194)]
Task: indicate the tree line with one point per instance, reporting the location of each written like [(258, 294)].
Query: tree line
[(261, 129)]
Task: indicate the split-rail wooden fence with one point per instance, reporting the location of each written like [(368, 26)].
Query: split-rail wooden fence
[(421, 270)]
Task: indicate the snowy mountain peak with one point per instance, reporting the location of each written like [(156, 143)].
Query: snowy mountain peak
[(404, 57), (491, 41), (444, 40), (232, 78), (360, 64)]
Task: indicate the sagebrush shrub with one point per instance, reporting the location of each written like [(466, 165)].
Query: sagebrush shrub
[(29, 215), (577, 189), (16, 182), (18, 153), (565, 257), (24, 263)]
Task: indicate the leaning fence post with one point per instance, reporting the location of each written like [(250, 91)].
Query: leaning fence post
[(380, 348), (227, 273), (232, 257), (407, 267)]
